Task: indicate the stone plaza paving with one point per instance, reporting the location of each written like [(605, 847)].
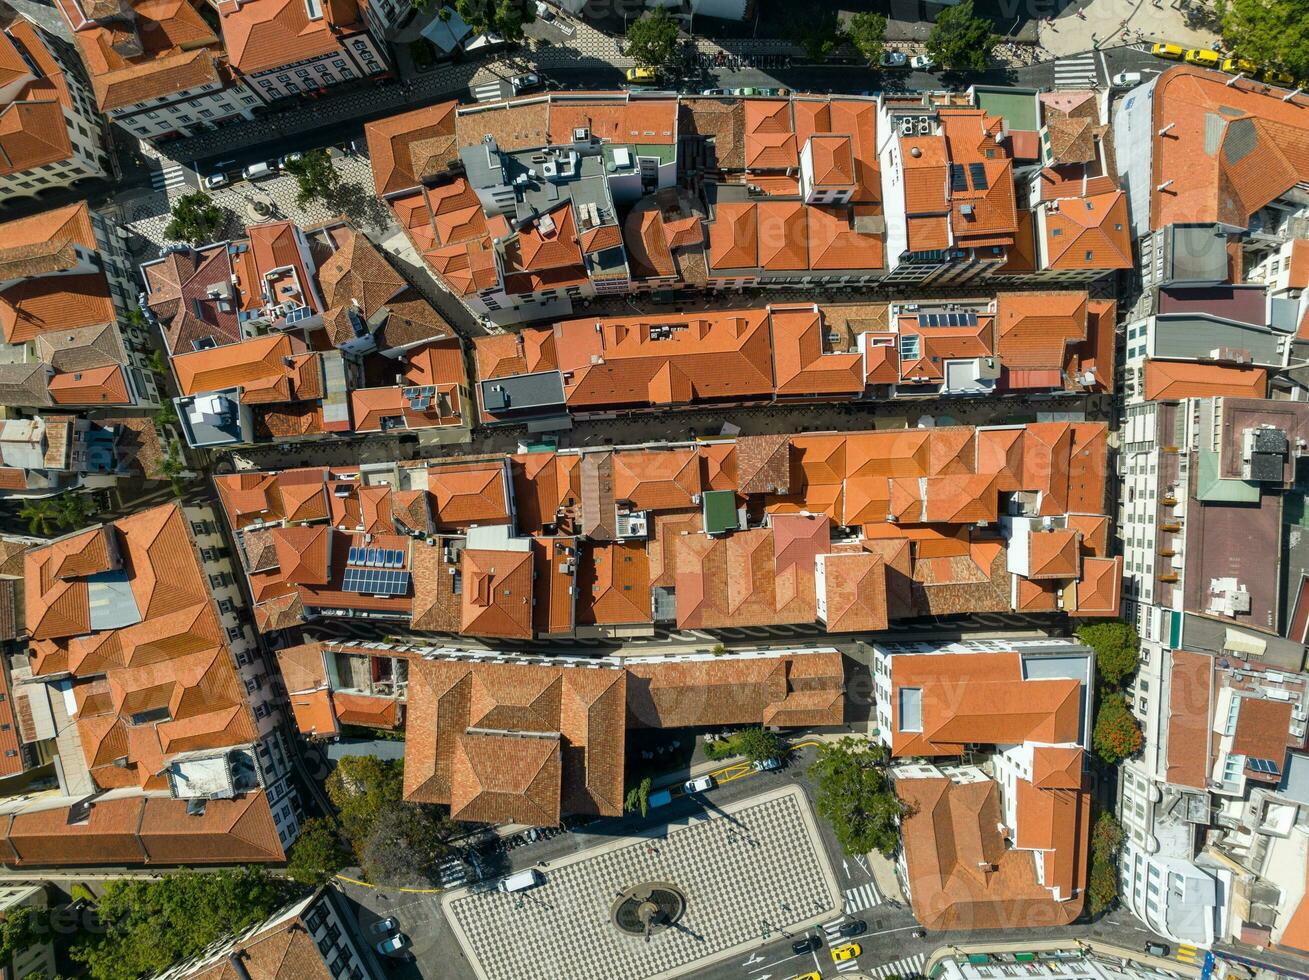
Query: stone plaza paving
[(748, 871)]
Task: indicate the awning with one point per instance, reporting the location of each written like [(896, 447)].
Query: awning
[(1244, 643)]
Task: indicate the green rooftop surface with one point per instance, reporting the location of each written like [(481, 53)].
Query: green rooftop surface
[(719, 511), (1015, 105)]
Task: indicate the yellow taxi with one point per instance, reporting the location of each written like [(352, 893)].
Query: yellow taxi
[(847, 951), (1173, 52), (1275, 76), (1243, 66), (1203, 57), (640, 75), (807, 976)]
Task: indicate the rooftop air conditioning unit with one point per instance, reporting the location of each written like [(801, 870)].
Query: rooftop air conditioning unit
[(581, 134), (924, 126), (907, 126)]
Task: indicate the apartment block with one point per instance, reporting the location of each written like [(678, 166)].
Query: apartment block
[(145, 687), (290, 335), (51, 135)]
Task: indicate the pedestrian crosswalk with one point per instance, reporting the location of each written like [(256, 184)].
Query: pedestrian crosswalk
[(489, 92), (910, 966), (168, 177), (862, 897), (1075, 72), (1187, 953)]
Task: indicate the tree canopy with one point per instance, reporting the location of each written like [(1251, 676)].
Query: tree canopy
[(855, 796), (757, 744), (148, 925), (961, 39), (407, 843), (503, 17), (22, 927), (867, 33), (318, 852), (1116, 647), (818, 32), (360, 788), (316, 177), (1268, 32), (1117, 735), (651, 39), (1106, 838), (196, 219)]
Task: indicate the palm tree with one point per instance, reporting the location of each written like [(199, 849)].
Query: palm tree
[(74, 509), (41, 516)]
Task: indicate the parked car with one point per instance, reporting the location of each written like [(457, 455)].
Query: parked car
[(715, 91), (526, 82), (1203, 57), (392, 944), (1173, 52), (383, 927), (289, 158), (260, 171), (922, 62), (806, 945), (699, 784), (1126, 79), (919, 933), (855, 927), (216, 180), (766, 765), (1242, 65), (807, 976), (893, 59), (641, 75), (848, 951), (1157, 949), (1275, 76)]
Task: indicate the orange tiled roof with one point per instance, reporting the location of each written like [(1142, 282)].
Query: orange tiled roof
[(1175, 380), (1088, 233), (392, 143), (1053, 554), (657, 479), (733, 237), (833, 162), (468, 493), (1190, 709), (264, 34), (497, 590), (801, 366), (614, 584), (855, 592)]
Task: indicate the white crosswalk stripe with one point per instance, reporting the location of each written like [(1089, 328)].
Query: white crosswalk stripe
[(862, 897), (847, 965), (910, 966), (168, 177), (489, 92), (832, 930), (1078, 72)]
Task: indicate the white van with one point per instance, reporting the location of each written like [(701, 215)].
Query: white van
[(521, 881), (258, 171)]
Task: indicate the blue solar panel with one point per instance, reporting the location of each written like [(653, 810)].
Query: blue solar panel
[(375, 581), (298, 314), (353, 556), (1264, 765)]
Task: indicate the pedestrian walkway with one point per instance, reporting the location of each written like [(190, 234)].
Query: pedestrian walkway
[(862, 897), (1078, 72), (910, 966), (168, 177)]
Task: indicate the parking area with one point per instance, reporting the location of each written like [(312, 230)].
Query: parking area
[(750, 872)]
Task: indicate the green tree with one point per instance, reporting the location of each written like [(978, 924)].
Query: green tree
[(652, 39), (1106, 838), (503, 17), (42, 516), (868, 33), (318, 852), (1117, 734), (316, 177), (360, 788), (75, 509), (1102, 890), (961, 39), (155, 362), (1116, 649), (756, 744), (151, 924), (819, 33), (406, 845), (855, 796), (1106, 835), (1268, 32), (135, 317), (196, 219), (638, 797), (22, 927), (165, 414)]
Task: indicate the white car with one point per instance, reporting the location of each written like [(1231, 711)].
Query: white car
[(1126, 79), (289, 158), (260, 171), (393, 944), (922, 62), (384, 927), (893, 59), (698, 785), (215, 181)]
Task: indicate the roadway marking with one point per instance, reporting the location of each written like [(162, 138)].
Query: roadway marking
[(862, 897)]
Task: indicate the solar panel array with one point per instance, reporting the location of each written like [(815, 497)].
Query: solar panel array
[(298, 314), (419, 398), (947, 319), (978, 173), (1264, 765), (958, 178), (376, 581), (376, 557)]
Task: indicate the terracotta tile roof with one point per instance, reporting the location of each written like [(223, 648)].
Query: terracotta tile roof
[(800, 363), (521, 124), (1053, 554), (569, 759), (264, 367), (1057, 767), (554, 561), (302, 667), (356, 271), (233, 831), (721, 122), (264, 34), (303, 553), (1088, 233), (33, 133), (366, 710), (733, 237), (1034, 331), (657, 479), (769, 136), (1175, 380), (1231, 149), (855, 592), (980, 698), (837, 239), (781, 230), (497, 590), (544, 484), (961, 873), (279, 612), (285, 951), (1100, 588), (391, 142), (763, 464), (613, 584), (803, 689), (95, 386), (833, 161), (1263, 730), (468, 493), (1190, 707), (36, 306), (619, 119)]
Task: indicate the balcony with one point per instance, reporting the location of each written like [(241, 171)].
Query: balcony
[(1172, 527), (1168, 577)]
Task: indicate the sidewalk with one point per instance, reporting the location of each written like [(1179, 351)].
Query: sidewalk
[(1103, 23), (1176, 967)]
